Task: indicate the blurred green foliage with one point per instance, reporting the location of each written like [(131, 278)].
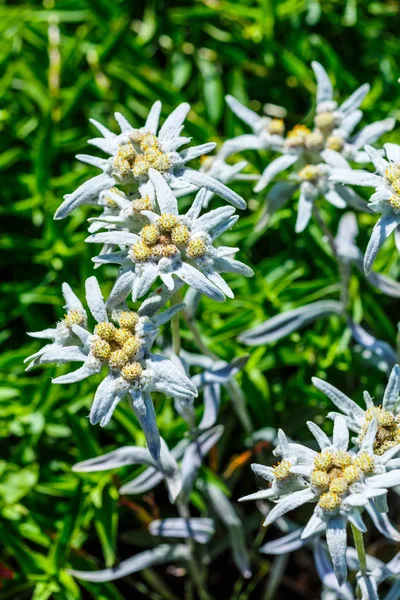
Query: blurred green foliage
[(63, 61)]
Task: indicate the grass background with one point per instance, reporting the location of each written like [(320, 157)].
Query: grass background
[(64, 61)]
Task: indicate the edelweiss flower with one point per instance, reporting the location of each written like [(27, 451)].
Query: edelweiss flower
[(133, 372), (386, 198), (174, 245), (304, 147), (358, 420), (134, 151), (340, 482)]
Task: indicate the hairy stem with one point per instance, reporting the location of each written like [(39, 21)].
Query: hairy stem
[(359, 544), (176, 333)]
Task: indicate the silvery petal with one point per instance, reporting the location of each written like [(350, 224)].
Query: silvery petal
[(335, 159), (87, 193), (392, 152), (274, 168), (199, 282), (72, 301), (355, 99), (95, 161), (385, 480), (123, 122), (392, 391), (337, 543), (103, 130), (167, 378), (359, 177), (81, 373), (382, 230), (62, 354), (220, 283), (266, 473), (213, 185), (166, 199), (45, 334), (347, 406), (321, 437), (370, 133), (378, 161), (122, 238), (173, 123), (196, 151), (304, 211), (103, 400), (260, 495), (122, 288), (355, 519), (324, 86), (95, 300), (245, 114), (228, 265), (212, 218), (326, 574), (367, 444), (229, 223), (314, 525), (143, 282), (288, 503), (153, 117), (197, 205), (340, 434), (334, 197), (241, 143)]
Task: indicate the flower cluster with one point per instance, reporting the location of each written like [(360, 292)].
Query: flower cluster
[(148, 237), (314, 153), (133, 152), (342, 482), (171, 245), (122, 344)]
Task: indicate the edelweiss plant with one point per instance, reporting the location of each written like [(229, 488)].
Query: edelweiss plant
[(148, 237)]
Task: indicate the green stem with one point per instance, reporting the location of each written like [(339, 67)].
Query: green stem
[(359, 544)]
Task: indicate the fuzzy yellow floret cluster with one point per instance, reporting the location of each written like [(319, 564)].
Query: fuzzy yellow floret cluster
[(74, 317), (141, 154), (282, 470), (333, 473), (118, 346), (165, 238), (388, 434)]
